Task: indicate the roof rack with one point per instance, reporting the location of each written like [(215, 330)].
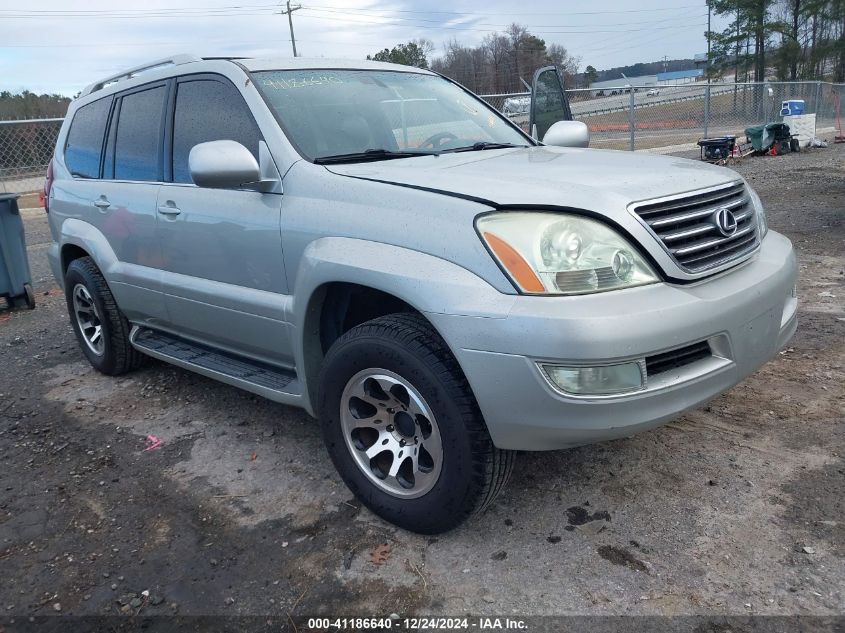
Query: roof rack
[(175, 60)]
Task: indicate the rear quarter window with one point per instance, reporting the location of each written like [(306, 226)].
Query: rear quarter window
[(85, 139)]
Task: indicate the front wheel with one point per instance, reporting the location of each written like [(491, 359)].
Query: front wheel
[(403, 427)]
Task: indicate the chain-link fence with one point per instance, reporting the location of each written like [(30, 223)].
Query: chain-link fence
[(25, 150), (675, 116), (662, 116)]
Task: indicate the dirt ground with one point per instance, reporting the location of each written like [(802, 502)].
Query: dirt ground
[(736, 508)]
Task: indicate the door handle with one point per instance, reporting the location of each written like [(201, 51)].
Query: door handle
[(171, 210), (101, 203)]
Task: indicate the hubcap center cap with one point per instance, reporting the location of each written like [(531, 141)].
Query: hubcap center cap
[(405, 424)]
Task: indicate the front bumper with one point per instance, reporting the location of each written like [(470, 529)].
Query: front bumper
[(747, 314)]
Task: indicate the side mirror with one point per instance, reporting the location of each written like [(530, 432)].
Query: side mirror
[(568, 134), (222, 165)]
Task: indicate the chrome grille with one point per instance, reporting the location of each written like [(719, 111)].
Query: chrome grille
[(687, 226)]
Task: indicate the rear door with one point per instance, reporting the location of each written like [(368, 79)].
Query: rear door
[(114, 153), (549, 103), (224, 277)]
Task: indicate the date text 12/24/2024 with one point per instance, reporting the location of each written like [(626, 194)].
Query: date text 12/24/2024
[(417, 624)]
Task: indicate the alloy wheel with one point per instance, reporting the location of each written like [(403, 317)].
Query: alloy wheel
[(88, 319), (391, 432)]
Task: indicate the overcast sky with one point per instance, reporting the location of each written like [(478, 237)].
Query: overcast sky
[(61, 45)]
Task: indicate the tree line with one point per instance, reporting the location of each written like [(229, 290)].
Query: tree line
[(496, 65), (787, 40), (28, 105)]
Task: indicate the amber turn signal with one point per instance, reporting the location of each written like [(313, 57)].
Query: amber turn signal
[(516, 266)]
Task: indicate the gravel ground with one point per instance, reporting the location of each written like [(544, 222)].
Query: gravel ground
[(736, 508)]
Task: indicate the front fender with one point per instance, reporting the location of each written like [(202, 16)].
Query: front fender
[(427, 283)]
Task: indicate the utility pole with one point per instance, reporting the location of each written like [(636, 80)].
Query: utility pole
[(707, 72), (707, 63), (289, 13)]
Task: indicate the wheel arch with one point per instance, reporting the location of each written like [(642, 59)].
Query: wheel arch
[(373, 279), (69, 253), (81, 239), (334, 308)]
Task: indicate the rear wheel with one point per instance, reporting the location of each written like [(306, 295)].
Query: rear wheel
[(100, 327), (403, 428)]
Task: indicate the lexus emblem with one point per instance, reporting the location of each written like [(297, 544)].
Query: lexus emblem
[(725, 221)]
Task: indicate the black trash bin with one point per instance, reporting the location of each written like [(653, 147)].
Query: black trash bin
[(15, 278)]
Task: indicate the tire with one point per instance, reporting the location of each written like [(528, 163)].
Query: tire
[(116, 355), (471, 470)]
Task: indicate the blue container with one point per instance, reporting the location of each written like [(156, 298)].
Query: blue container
[(792, 107)]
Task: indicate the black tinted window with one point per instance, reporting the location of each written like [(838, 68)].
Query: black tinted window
[(138, 135), (85, 139), (209, 111)]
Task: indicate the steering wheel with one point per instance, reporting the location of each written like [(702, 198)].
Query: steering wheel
[(436, 141)]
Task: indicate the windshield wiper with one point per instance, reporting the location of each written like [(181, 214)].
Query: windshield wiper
[(368, 155), (482, 145)]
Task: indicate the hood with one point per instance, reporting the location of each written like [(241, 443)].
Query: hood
[(590, 179)]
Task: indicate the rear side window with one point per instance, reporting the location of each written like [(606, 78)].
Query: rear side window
[(85, 139), (136, 151), (208, 110)]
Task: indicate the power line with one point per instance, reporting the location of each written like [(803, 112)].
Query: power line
[(521, 13), (533, 30), (146, 16), (34, 13), (138, 12), (381, 14), (121, 44)]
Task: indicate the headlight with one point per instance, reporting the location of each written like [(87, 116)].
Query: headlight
[(551, 253), (761, 215)]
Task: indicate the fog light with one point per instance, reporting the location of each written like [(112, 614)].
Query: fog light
[(597, 381)]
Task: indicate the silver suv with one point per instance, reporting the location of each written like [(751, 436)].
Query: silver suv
[(375, 244)]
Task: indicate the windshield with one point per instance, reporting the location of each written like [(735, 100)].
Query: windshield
[(344, 113)]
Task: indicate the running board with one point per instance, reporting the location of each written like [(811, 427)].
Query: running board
[(260, 378)]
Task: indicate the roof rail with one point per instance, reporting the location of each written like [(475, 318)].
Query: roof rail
[(175, 60)]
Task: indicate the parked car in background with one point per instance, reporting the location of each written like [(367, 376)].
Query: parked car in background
[(517, 105), (377, 245), (653, 92)]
